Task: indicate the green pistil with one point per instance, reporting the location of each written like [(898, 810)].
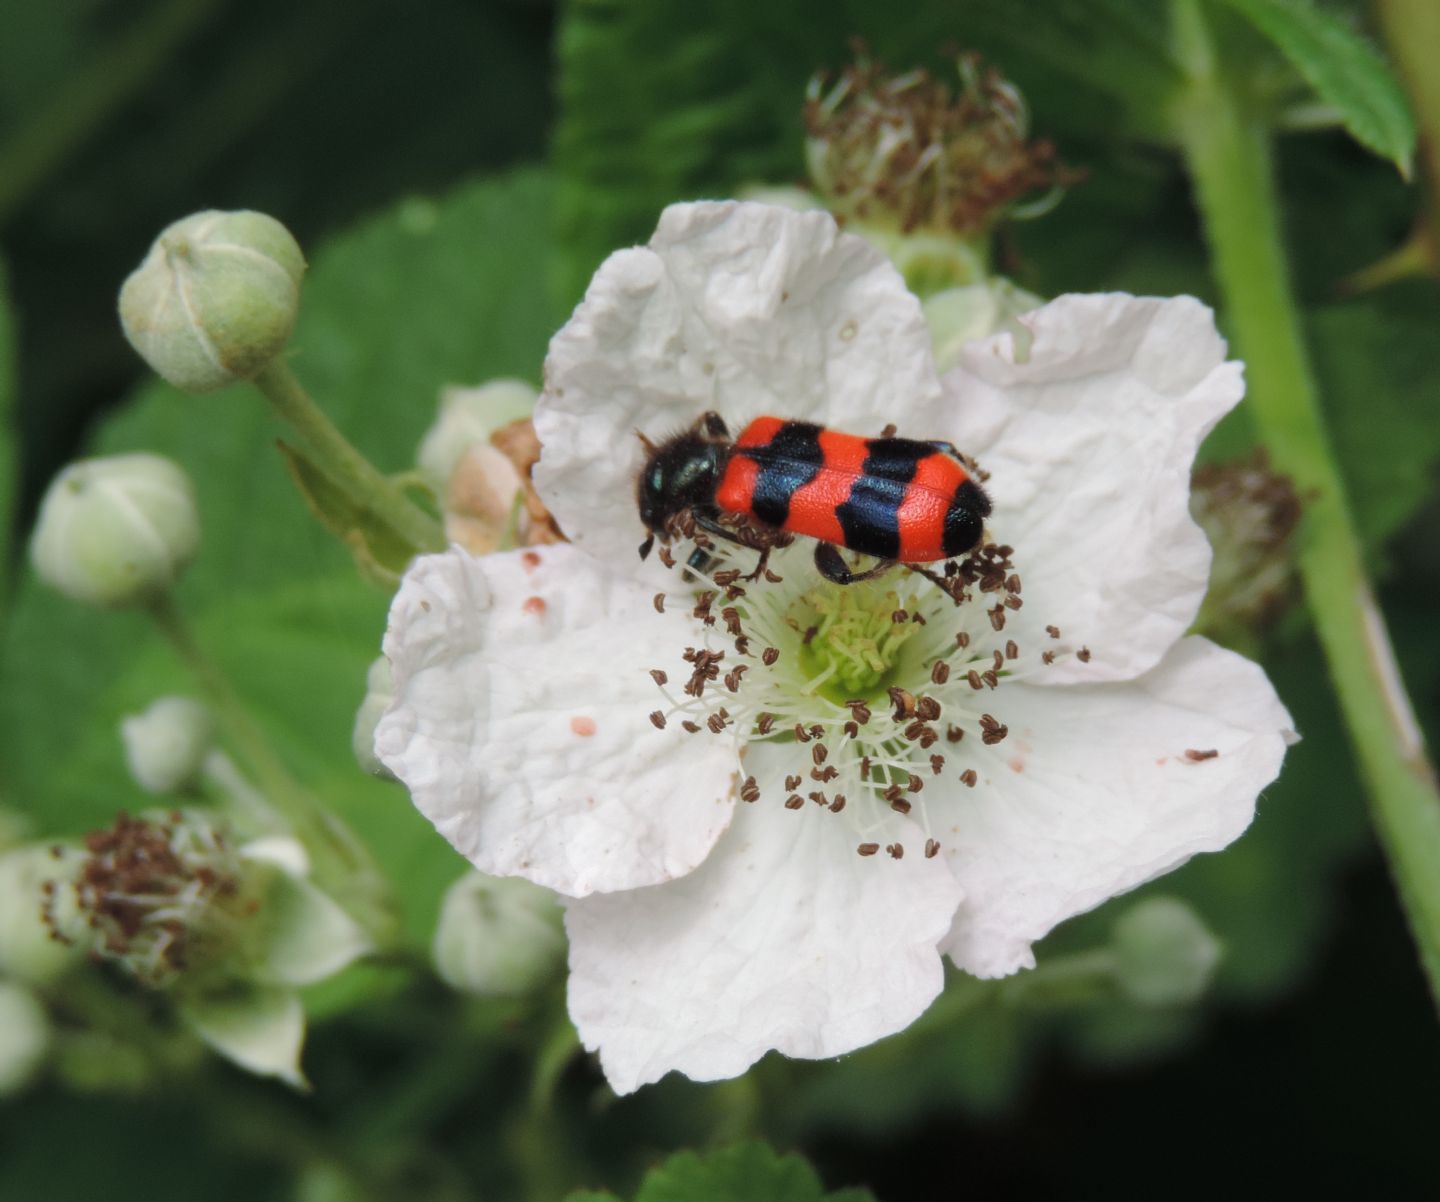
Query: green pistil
[(857, 639)]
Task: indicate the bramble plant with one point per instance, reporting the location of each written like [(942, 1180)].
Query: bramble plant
[(342, 707)]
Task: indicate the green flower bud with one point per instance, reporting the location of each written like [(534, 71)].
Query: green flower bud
[(166, 745), (215, 299), (469, 416), (1164, 955), (24, 1037), (497, 936), (116, 531), (37, 912), (379, 692)]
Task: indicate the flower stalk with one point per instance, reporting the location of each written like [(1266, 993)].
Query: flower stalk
[(1227, 151), (366, 486), (343, 866)]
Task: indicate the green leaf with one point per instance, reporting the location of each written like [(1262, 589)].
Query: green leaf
[(424, 295), (745, 1173), (9, 437), (1345, 70)]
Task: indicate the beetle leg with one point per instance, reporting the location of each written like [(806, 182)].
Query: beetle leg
[(830, 564)]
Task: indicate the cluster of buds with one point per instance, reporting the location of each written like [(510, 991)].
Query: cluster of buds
[(903, 152)]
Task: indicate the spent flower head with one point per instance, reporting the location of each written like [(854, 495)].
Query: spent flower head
[(772, 805), (905, 152)]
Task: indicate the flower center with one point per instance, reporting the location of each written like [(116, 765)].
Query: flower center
[(882, 687), (850, 637)]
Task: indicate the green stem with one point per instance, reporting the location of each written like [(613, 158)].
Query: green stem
[(343, 865), (1412, 30), (90, 96), (364, 484), (1227, 150)]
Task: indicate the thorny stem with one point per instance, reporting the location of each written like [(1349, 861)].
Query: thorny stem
[(1227, 151), (91, 94), (365, 485), (343, 865)]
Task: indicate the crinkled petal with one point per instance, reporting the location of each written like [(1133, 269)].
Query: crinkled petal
[(741, 308), (1093, 793), (784, 939), (520, 722), (1089, 435)]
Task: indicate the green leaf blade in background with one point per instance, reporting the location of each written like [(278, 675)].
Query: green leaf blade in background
[(1344, 69), (749, 1172), (424, 295), (9, 441)]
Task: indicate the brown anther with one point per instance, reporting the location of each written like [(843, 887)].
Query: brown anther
[(742, 645), (1053, 631), (953, 733), (894, 793), (810, 633), (997, 617), (962, 640), (896, 850), (1083, 655), (659, 677), (904, 702), (726, 578), (932, 848), (915, 730), (968, 778), (927, 708), (1048, 656), (716, 723), (864, 767), (772, 577), (794, 801), (817, 731), (792, 783), (818, 798), (1012, 649), (801, 732), (918, 618), (900, 805), (991, 679), (765, 723), (1012, 585), (769, 656), (915, 783), (692, 727), (852, 728), (974, 678), (1196, 757), (659, 603), (750, 790), (859, 711), (868, 849), (890, 430), (900, 615), (657, 719), (998, 660), (732, 677), (940, 672), (937, 762), (665, 556), (838, 804), (731, 617), (1013, 602), (702, 608), (992, 730), (825, 774), (818, 753)]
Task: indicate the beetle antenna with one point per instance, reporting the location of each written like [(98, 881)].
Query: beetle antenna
[(648, 543), (646, 443)]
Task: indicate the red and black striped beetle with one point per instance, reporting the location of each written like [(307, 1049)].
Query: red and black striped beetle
[(898, 499)]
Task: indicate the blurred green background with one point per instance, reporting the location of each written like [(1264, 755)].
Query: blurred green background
[(455, 171)]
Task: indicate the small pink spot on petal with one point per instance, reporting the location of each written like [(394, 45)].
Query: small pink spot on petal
[(534, 605), (1017, 765), (1162, 761), (530, 560), (584, 727)]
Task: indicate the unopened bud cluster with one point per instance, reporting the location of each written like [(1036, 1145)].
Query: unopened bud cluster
[(902, 151)]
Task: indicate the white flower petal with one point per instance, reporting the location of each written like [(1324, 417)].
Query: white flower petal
[(308, 937), (784, 939), (741, 308), (520, 722), (1093, 793), (1089, 435)]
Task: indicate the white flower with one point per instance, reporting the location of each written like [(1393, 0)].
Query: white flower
[(706, 929)]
